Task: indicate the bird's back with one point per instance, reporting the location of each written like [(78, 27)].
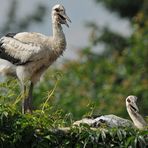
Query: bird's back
[(31, 37)]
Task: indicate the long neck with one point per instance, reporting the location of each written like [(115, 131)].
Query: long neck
[(138, 120), (59, 41), (57, 31)]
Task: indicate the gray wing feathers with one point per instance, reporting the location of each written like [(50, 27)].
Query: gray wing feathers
[(20, 50)]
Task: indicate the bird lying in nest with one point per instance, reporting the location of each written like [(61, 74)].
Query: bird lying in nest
[(115, 121)]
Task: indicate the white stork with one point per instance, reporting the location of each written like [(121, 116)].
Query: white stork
[(133, 112), (115, 121), (27, 55)]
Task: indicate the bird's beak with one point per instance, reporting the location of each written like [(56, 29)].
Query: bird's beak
[(134, 107), (63, 18), (66, 19)]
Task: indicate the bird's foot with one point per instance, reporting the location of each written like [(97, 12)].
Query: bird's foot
[(26, 108), (28, 111)]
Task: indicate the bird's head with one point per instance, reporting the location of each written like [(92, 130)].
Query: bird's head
[(131, 103), (59, 14)]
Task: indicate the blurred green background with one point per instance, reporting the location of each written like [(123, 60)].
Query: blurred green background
[(94, 83)]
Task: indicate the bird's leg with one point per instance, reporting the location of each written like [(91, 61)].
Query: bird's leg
[(23, 98), (27, 101)]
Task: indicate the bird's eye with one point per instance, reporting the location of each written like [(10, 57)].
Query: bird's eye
[(128, 100), (57, 10)]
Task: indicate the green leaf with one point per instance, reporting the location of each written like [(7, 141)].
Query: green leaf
[(130, 141), (5, 113), (142, 141), (136, 142), (119, 134), (103, 135)]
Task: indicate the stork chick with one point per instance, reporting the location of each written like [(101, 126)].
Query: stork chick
[(115, 121), (27, 55), (133, 112)]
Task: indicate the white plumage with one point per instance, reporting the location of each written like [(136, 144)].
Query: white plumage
[(108, 120), (7, 68), (133, 112), (28, 54), (115, 121)]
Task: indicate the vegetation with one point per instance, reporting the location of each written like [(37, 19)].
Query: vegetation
[(94, 84), (42, 130)]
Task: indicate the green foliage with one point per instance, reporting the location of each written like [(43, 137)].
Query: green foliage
[(100, 83), (46, 129), (9, 92)]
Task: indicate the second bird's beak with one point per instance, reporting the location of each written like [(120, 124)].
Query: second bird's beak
[(134, 107)]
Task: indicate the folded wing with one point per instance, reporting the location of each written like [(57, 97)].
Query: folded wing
[(18, 52)]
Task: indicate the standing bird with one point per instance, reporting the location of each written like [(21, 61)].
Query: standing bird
[(27, 55), (115, 121)]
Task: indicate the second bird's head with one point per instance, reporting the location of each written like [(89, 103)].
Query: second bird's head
[(59, 15), (131, 104)]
